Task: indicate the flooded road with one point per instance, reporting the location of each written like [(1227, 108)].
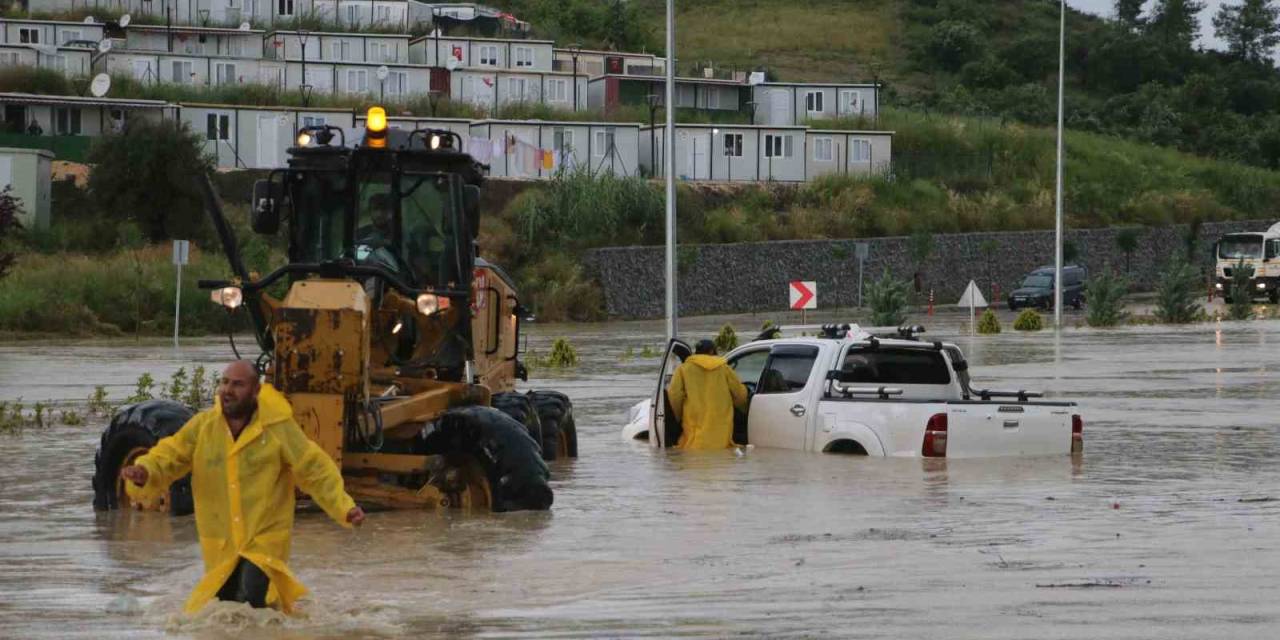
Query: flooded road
[(1167, 527)]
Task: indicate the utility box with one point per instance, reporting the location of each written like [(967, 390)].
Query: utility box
[(28, 172)]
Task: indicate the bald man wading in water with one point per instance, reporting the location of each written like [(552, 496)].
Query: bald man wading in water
[(245, 454)]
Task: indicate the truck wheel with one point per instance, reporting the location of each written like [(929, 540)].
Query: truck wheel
[(516, 475), (133, 431), (520, 407), (559, 431)]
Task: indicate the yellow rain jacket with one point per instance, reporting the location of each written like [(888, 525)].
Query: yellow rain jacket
[(243, 491), (704, 392)]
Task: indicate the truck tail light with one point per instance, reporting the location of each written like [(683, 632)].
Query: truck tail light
[(1077, 433), (935, 437)]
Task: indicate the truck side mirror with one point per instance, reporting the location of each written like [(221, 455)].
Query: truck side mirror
[(265, 208), (471, 207)]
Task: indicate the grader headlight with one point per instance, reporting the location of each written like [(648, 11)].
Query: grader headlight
[(229, 297), (429, 303)]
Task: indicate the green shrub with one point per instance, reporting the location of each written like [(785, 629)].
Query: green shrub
[(562, 356), (1177, 294), (988, 323), (1241, 307), (1106, 292), (1028, 320), (727, 339), (887, 298)]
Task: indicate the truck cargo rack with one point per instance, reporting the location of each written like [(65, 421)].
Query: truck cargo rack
[(1023, 396)]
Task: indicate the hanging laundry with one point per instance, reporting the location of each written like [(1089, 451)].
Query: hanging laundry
[(548, 160)]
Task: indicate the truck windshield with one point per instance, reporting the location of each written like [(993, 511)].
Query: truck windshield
[(1037, 281), (1248, 247)]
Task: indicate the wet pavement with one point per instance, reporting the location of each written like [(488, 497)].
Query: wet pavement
[(1166, 527)]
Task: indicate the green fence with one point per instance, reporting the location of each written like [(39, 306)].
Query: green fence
[(73, 148)]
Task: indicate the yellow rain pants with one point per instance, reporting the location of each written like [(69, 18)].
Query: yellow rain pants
[(244, 491), (703, 392)]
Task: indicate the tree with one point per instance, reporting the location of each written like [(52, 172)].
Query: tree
[(147, 174), (1176, 23), (1127, 242), (10, 206), (1251, 29), (1129, 14)]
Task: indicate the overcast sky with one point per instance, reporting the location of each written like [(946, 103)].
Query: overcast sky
[(1107, 8)]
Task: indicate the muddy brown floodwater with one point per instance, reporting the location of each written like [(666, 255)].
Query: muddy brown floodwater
[(1167, 527)]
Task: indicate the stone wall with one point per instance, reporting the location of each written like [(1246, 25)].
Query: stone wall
[(750, 277)]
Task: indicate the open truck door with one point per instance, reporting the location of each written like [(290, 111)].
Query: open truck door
[(664, 426)]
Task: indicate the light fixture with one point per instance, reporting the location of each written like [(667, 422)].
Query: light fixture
[(429, 303), (435, 142), (229, 297), (396, 329), (304, 139)]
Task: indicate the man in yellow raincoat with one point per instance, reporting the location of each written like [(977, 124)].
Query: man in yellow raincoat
[(704, 392), (245, 455)]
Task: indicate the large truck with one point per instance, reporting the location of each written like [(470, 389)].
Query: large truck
[(1259, 252)]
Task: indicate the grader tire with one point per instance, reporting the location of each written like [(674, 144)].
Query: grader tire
[(133, 429), (518, 478), (520, 407), (559, 431)]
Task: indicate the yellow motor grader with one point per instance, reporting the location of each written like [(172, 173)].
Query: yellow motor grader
[(395, 342)]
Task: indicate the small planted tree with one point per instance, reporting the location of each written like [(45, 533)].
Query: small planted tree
[(1127, 242), (727, 339), (920, 246), (1028, 320), (1107, 292), (1176, 294), (988, 323), (888, 299), (1241, 307)]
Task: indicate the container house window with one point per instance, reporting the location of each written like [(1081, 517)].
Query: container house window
[(778, 146), (218, 126), (180, 71), (357, 81), (67, 121), (28, 35), (284, 7), (860, 150), (822, 149), (558, 90), (850, 102), (524, 56), (489, 55), (813, 102), (603, 143), (225, 73), (733, 145)]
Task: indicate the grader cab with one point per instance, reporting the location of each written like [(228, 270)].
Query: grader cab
[(395, 342)]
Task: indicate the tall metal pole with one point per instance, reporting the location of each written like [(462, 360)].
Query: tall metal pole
[(669, 160), (1057, 238)]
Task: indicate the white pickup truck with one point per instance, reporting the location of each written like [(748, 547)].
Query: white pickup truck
[(851, 392)]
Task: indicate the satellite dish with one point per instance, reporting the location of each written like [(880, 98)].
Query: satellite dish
[(382, 72), (245, 26), (88, 19), (100, 85), (124, 20), (104, 45), (451, 63)]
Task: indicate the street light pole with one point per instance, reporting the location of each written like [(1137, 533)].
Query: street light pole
[(653, 99), (1057, 238), (574, 50), (669, 160), (302, 39)]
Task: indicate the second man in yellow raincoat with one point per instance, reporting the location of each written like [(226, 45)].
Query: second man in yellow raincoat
[(704, 392), (245, 455)]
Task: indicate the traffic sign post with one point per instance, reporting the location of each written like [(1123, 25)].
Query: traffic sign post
[(804, 296), (972, 297), (181, 254)]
